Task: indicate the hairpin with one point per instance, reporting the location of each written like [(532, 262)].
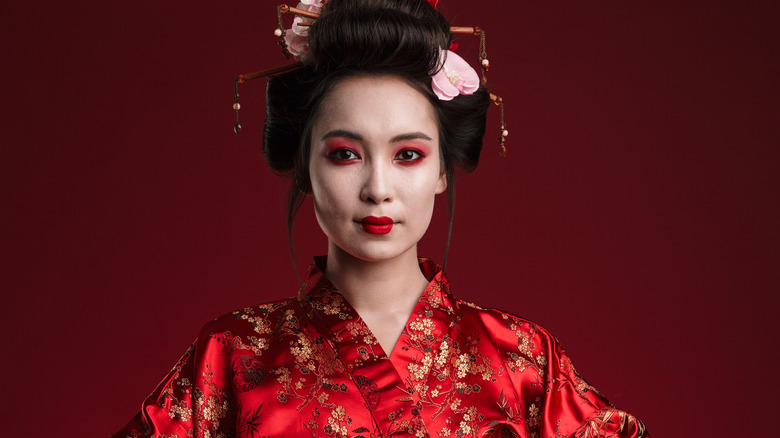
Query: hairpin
[(459, 77)]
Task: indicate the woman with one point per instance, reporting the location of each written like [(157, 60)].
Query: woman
[(375, 344)]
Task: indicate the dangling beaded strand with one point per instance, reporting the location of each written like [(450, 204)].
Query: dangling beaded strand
[(281, 32), (484, 63), (236, 105), (483, 60), (504, 132)]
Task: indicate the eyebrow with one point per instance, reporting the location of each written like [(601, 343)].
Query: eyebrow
[(357, 137), (410, 136), (342, 133)]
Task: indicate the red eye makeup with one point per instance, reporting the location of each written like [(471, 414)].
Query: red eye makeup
[(408, 156), (341, 152)]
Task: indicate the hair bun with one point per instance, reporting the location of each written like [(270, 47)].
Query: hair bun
[(402, 36)]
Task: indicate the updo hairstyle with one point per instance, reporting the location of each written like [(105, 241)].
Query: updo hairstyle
[(367, 37)]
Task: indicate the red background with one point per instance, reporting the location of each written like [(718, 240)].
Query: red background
[(636, 215)]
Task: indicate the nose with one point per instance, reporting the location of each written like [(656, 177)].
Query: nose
[(377, 187)]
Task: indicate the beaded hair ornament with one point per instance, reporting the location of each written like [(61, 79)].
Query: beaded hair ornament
[(453, 77)]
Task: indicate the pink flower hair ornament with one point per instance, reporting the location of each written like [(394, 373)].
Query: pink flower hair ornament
[(454, 76), (296, 39)]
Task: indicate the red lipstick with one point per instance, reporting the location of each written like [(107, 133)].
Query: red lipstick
[(377, 225)]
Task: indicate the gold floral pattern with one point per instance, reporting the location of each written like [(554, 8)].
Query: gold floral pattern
[(309, 366)]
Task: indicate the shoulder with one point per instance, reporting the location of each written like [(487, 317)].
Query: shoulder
[(505, 325), (250, 328), (519, 342), (533, 356), (251, 316)]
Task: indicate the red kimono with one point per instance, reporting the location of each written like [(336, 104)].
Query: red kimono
[(309, 366)]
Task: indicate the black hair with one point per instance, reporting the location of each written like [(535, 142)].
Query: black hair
[(368, 37)]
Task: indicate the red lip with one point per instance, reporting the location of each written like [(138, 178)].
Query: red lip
[(377, 225)]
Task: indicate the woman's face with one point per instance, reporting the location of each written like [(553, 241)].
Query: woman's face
[(375, 167)]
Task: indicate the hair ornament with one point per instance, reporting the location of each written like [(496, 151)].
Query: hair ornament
[(503, 132), (453, 76), (295, 41)]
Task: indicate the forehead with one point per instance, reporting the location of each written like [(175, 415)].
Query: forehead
[(375, 106)]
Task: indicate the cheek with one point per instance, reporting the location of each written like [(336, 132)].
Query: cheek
[(327, 209), (329, 193), (324, 201), (421, 194)]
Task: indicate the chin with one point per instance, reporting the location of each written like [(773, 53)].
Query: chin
[(377, 251)]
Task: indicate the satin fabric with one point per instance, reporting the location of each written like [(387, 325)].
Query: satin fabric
[(309, 366)]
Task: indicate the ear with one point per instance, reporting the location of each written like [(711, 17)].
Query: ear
[(441, 185)]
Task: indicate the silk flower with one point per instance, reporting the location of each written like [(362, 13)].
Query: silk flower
[(454, 77)]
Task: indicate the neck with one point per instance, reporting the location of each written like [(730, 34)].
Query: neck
[(383, 293), (390, 287)]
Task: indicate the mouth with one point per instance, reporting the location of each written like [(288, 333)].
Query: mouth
[(377, 225)]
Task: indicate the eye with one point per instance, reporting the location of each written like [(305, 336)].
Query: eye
[(343, 155), (409, 155)]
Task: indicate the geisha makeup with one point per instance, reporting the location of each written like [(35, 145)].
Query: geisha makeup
[(375, 166)]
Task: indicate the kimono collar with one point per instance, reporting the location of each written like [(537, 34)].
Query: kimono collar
[(332, 314), (318, 291)]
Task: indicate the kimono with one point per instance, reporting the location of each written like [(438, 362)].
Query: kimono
[(309, 366)]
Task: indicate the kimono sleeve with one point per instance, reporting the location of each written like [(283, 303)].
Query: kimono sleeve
[(574, 408), (192, 399)]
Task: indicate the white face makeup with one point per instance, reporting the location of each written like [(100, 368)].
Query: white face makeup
[(375, 166)]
